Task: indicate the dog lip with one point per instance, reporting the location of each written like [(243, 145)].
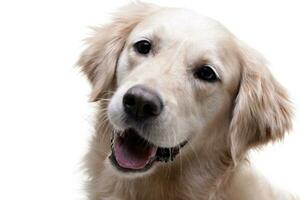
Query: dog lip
[(160, 153), (121, 133)]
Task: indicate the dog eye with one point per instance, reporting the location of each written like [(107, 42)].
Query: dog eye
[(206, 73), (142, 47)]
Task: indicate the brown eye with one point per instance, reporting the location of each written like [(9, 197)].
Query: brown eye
[(206, 73), (142, 47)]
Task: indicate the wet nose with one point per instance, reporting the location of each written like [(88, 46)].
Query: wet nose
[(142, 102)]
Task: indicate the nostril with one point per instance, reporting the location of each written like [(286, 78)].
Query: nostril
[(149, 109), (129, 100)]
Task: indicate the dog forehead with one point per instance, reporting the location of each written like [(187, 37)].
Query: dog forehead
[(179, 24)]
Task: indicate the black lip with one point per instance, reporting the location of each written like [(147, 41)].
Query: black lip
[(168, 154)]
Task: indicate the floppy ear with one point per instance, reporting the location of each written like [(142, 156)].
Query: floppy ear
[(262, 110), (98, 61)]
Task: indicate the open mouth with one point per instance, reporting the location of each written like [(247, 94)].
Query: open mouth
[(132, 153)]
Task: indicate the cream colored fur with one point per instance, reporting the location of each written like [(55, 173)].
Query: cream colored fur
[(222, 121)]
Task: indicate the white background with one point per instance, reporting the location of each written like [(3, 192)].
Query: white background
[(45, 117)]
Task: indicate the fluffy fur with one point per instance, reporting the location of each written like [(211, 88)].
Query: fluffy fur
[(222, 121)]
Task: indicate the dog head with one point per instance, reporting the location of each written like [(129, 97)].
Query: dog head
[(177, 78)]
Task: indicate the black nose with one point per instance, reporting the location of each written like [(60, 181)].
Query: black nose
[(142, 102)]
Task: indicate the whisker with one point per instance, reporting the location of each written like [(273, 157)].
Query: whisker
[(195, 153), (179, 153)]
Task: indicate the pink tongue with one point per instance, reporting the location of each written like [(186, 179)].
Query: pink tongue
[(132, 156)]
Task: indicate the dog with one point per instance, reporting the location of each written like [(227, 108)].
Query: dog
[(180, 101)]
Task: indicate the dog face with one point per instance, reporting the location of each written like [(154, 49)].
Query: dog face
[(172, 84), (180, 78)]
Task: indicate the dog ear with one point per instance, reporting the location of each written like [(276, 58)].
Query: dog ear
[(99, 60), (262, 110)]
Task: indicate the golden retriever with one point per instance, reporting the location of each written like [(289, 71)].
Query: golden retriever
[(181, 101)]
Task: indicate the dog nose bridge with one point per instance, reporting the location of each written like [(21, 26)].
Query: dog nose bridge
[(162, 71)]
